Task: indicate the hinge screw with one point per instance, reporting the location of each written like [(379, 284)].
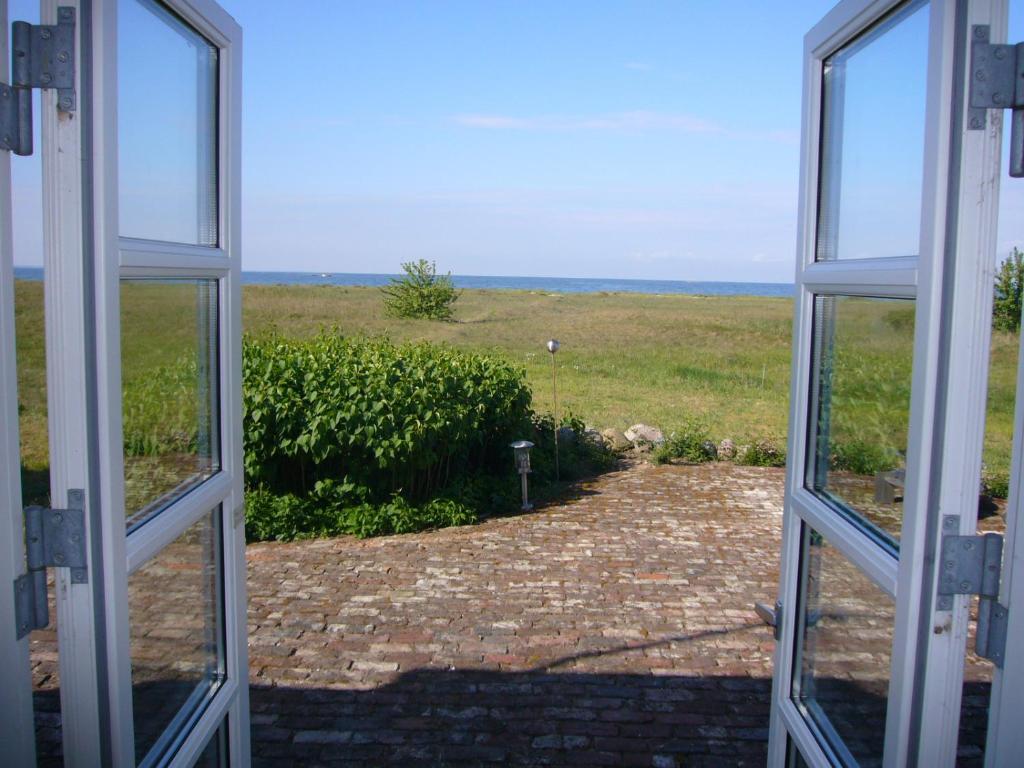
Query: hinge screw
[(997, 98), (46, 78), (45, 34), (980, 32), (62, 57), (965, 585), (980, 76), (975, 123)]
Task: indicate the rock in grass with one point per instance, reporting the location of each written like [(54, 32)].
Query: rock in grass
[(644, 434), (615, 439), (727, 449)]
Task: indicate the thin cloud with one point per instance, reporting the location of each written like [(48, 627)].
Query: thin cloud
[(639, 66), (615, 121)]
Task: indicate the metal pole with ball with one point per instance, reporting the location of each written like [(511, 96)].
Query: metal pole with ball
[(553, 346)]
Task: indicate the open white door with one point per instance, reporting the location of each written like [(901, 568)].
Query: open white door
[(141, 219), (899, 183), (17, 736)]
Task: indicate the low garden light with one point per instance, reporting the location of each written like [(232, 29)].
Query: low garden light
[(522, 455), (553, 346)]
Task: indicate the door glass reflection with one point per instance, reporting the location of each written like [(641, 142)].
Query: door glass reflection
[(167, 127), (863, 353), (845, 638), (872, 145), (176, 634), (169, 353)]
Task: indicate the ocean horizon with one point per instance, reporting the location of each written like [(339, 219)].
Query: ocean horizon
[(499, 282)]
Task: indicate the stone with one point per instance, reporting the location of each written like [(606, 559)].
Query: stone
[(566, 436), (727, 449), (644, 433), (615, 439)]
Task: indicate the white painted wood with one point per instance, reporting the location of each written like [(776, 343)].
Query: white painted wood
[(950, 365), (17, 732), (66, 287), (890, 278), (877, 563), (918, 523), (84, 259), (169, 524), (964, 303)]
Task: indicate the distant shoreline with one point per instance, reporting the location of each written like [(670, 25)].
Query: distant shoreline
[(543, 284)]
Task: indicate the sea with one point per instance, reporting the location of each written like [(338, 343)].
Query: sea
[(499, 282)]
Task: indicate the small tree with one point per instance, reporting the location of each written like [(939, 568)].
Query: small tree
[(422, 293), (1009, 288)]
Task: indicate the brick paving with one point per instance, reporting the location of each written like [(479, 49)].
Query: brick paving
[(614, 629)]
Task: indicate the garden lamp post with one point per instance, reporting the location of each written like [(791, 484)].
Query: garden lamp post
[(553, 346), (522, 455)]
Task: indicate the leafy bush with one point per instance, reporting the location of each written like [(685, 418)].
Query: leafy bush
[(578, 454), (864, 457), (691, 443), (388, 418), (160, 410), (1009, 287), (331, 512), (422, 293), (766, 452), (995, 483)]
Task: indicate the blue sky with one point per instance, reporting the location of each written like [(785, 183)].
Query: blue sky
[(592, 139)]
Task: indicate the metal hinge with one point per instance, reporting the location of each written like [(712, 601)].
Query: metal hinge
[(53, 538), (771, 616), (997, 82), (972, 565), (42, 56)]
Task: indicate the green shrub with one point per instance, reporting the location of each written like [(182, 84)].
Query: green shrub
[(160, 410), (369, 438), (404, 419), (995, 483), (691, 443), (578, 454), (333, 511), (1009, 287), (766, 452), (422, 293), (864, 457)]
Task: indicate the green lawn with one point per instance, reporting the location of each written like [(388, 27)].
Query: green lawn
[(625, 358)]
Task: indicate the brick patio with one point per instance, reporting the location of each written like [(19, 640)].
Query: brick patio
[(614, 629)]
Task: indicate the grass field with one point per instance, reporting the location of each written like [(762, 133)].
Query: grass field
[(625, 358)]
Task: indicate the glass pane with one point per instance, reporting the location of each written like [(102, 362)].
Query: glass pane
[(842, 671), (176, 636), (169, 355), (863, 354), (167, 127), (872, 145)]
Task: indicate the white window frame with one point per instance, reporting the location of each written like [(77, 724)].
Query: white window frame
[(947, 415), (17, 733), (93, 619)]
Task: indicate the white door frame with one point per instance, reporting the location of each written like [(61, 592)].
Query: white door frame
[(953, 304), (17, 733), (93, 621)]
